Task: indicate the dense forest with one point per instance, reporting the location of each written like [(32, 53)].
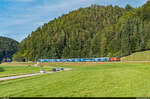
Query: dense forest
[(95, 31), (7, 47)]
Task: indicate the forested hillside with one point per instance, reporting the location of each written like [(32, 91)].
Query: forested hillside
[(7, 47), (130, 34), (95, 31)]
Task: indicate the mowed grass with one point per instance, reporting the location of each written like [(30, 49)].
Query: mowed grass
[(138, 56), (19, 70), (85, 80)]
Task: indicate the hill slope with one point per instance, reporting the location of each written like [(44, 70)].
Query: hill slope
[(7, 47), (138, 56), (96, 31), (71, 35)]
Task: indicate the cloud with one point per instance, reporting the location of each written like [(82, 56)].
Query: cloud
[(22, 17)]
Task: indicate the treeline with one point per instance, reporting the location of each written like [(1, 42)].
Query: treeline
[(130, 34), (95, 31), (7, 47)]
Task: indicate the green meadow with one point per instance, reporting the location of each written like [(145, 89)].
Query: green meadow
[(20, 70), (84, 80)]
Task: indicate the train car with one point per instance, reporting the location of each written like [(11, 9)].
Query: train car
[(87, 60), (73, 60), (39, 60), (60, 60), (46, 60), (104, 59), (96, 59), (92, 59), (57, 60), (77, 60), (52, 60), (99, 59), (64, 60), (69, 60), (114, 59), (81, 60)]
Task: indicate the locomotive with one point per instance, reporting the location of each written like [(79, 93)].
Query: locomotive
[(104, 59)]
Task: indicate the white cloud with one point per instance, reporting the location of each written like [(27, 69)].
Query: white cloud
[(21, 19)]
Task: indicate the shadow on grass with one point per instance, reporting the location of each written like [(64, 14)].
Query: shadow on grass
[(1, 69)]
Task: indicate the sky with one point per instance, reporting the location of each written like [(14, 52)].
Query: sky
[(18, 18)]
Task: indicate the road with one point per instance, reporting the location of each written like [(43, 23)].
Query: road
[(29, 75)]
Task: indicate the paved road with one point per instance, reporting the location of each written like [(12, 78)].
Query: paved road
[(28, 75)]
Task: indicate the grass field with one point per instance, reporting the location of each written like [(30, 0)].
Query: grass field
[(85, 80), (138, 56), (19, 70)]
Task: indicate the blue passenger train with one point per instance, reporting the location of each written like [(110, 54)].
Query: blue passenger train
[(105, 59)]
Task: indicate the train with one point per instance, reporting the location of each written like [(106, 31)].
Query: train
[(104, 59)]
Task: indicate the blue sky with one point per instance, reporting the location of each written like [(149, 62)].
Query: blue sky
[(18, 18)]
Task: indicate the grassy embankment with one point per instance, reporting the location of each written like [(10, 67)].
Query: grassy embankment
[(138, 56)]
